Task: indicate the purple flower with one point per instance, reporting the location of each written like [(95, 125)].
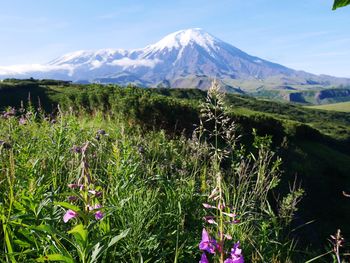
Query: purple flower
[(207, 244), (69, 215), (204, 259), (76, 149), (98, 215), (22, 121), (95, 193), (236, 255), (72, 198)]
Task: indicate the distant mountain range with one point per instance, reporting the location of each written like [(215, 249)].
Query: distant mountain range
[(185, 59)]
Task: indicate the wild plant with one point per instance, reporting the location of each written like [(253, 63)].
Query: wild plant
[(239, 206)]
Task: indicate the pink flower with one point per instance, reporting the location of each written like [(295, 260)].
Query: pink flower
[(210, 220), (69, 215), (236, 254), (229, 214), (207, 206), (22, 121), (207, 244), (227, 236), (204, 259)]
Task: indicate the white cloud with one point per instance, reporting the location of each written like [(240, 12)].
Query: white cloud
[(127, 62), (23, 69)]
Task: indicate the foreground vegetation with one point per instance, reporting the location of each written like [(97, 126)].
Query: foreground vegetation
[(125, 161)]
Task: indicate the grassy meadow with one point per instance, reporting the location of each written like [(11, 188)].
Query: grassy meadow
[(341, 106), (121, 175)]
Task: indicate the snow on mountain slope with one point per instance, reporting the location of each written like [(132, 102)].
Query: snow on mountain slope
[(185, 54)]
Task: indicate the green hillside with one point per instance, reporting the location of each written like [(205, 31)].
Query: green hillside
[(342, 107), (148, 152)]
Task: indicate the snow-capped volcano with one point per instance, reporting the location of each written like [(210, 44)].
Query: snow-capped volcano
[(183, 38), (186, 58)]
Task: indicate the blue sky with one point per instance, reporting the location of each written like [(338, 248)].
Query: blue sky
[(304, 34)]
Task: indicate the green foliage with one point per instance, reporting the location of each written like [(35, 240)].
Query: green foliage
[(340, 3), (167, 178)]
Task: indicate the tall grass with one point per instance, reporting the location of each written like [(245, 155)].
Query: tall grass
[(152, 189)]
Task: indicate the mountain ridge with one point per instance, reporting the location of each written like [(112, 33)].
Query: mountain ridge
[(174, 61)]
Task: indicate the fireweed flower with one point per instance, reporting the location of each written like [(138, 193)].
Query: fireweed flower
[(236, 255), (72, 198), (10, 113), (210, 220), (204, 259), (207, 206), (22, 121), (95, 193), (69, 215), (207, 244), (98, 214)]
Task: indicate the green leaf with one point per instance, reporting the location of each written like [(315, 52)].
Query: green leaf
[(118, 237), (96, 252), (43, 228), (68, 206), (79, 232), (55, 257), (340, 3)]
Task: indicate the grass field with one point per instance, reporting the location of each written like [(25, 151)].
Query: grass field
[(342, 107), (115, 174)]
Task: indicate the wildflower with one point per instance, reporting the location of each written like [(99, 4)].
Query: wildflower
[(69, 215), (22, 121), (229, 214), (207, 206), (210, 220), (72, 198), (221, 206), (207, 244), (10, 113), (204, 259), (227, 236), (95, 193), (236, 255), (76, 149), (99, 213)]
